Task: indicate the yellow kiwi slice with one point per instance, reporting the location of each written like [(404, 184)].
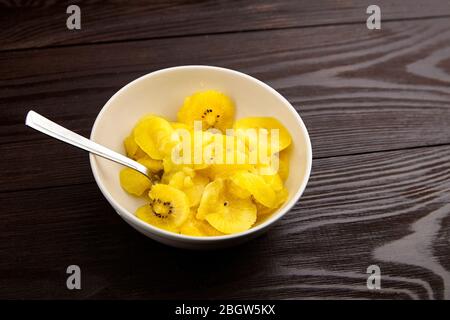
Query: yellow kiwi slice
[(212, 108), (131, 146), (190, 228), (176, 180), (195, 227), (281, 197), (274, 181), (168, 208), (257, 186), (155, 136), (190, 151), (226, 156), (222, 171), (194, 187), (180, 125), (132, 149), (152, 164), (264, 125), (134, 182), (169, 166), (236, 191), (224, 212), (184, 170), (213, 194), (283, 164), (263, 210), (192, 184), (234, 215)]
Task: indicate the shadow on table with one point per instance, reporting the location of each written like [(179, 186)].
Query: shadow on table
[(158, 271)]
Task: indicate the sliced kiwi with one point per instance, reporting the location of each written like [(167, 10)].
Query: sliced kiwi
[(264, 125), (168, 208), (224, 212), (212, 108), (155, 136), (213, 196), (234, 215), (257, 186), (152, 164), (195, 227), (134, 182)]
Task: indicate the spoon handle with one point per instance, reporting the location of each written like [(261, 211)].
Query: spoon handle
[(44, 125)]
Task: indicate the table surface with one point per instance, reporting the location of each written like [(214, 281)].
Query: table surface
[(376, 104)]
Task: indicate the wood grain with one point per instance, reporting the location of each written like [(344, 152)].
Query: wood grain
[(376, 104), (399, 219), (27, 24)]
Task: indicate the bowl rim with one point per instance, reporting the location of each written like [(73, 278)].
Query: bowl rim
[(163, 233)]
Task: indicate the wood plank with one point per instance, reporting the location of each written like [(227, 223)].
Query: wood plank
[(357, 91), (399, 219), (38, 24)]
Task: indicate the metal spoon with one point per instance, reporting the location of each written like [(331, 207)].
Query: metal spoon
[(44, 125)]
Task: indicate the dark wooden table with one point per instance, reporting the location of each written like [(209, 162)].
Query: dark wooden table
[(376, 103)]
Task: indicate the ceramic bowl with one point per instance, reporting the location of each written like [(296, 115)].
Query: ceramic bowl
[(162, 93)]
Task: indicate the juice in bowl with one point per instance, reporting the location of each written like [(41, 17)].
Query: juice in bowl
[(229, 156)]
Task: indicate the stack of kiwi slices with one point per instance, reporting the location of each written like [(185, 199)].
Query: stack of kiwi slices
[(206, 197)]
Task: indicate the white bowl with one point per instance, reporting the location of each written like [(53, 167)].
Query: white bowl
[(162, 93)]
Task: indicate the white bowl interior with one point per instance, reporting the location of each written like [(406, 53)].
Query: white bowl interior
[(162, 93)]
